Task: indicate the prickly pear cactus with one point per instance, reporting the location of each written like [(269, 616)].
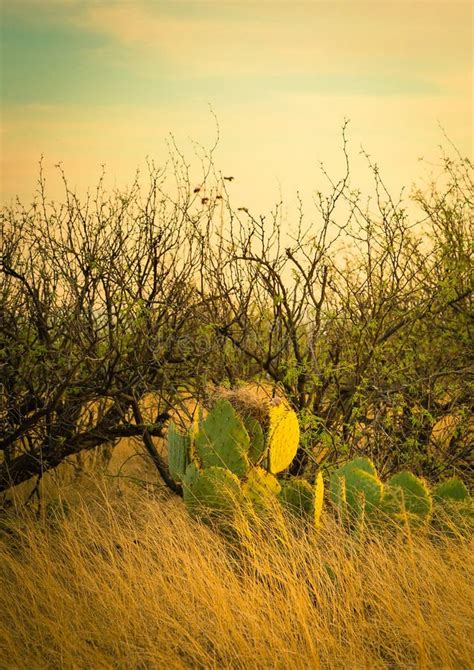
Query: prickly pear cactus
[(257, 439), (226, 463), (211, 493), (188, 480), (223, 441), (362, 463), (453, 510), (318, 498), (356, 488), (415, 494), (361, 483), (179, 448), (283, 436), (392, 500), (300, 498), (451, 489), (337, 492), (297, 496), (261, 489)]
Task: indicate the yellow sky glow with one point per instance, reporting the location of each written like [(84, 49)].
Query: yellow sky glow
[(280, 76)]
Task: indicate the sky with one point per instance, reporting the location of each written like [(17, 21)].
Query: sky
[(92, 82)]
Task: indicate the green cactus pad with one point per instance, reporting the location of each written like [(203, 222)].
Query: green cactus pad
[(223, 441), (454, 510), (283, 436), (416, 495), (451, 489), (356, 489), (364, 464), (257, 439), (261, 488), (188, 480), (392, 500), (191, 474), (297, 495), (179, 447), (455, 518), (361, 483), (337, 492), (213, 493), (260, 479)]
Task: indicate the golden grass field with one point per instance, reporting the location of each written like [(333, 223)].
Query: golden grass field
[(125, 579)]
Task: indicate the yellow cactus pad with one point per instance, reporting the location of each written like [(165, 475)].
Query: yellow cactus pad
[(261, 483), (318, 498), (283, 436)]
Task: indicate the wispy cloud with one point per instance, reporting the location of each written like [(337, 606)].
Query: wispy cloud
[(236, 39), (377, 43)]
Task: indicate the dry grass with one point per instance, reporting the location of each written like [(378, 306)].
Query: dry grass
[(132, 582)]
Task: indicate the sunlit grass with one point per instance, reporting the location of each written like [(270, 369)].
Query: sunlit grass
[(133, 582)]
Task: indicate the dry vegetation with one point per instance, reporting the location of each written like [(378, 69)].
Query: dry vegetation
[(132, 582), (121, 310)]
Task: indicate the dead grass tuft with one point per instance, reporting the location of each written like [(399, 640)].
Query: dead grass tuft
[(251, 400)]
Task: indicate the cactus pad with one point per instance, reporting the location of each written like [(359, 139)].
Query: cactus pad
[(337, 492), (188, 480), (356, 488), (223, 441), (451, 489), (392, 500), (298, 496), (318, 498), (179, 446), (416, 496), (257, 439), (364, 464), (214, 492), (361, 482), (261, 488), (454, 510), (283, 436)]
